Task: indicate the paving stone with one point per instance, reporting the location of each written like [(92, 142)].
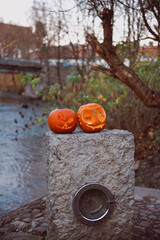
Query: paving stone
[(7, 219), (144, 212), (158, 207), (27, 215), (147, 222), (1, 223), (22, 236), (39, 219), (152, 217), (36, 211), (2, 231), (34, 224), (136, 218), (144, 224), (157, 223), (7, 225), (138, 228), (157, 231), (27, 220), (136, 212), (150, 206), (143, 218), (11, 229), (19, 224), (44, 224), (39, 215), (39, 230)]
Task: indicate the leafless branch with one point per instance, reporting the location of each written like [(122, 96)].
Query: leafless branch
[(103, 69)]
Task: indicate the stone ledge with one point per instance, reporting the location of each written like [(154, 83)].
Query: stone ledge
[(141, 193)]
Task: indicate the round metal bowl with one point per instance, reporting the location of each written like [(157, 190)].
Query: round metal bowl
[(93, 203)]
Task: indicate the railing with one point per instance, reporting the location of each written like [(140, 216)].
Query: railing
[(10, 65)]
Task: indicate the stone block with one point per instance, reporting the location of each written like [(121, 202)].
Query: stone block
[(76, 159)]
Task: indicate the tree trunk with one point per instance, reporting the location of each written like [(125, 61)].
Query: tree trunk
[(59, 67), (117, 69)]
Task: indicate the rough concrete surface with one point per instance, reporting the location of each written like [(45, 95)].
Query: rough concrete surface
[(79, 158)]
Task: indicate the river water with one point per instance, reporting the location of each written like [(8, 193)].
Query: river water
[(22, 166)]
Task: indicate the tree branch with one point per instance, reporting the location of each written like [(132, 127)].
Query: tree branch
[(153, 10), (146, 22), (103, 69), (126, 75)]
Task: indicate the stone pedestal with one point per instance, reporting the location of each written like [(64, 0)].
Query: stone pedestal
[(76, 159)]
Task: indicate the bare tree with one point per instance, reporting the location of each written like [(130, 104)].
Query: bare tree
[(150, 10), (105, 11), (80, 51), (59, 30), (40, 16), (133, 31), (49, 26), (51, 16)]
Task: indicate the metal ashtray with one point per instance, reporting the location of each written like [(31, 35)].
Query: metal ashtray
[(93, 203)]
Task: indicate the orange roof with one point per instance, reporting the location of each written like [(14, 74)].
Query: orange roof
[(148, 51)]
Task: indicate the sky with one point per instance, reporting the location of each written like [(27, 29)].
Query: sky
[(15, 11)]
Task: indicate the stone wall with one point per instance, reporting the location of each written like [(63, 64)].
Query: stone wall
[(79, 158), (10, 83), (65, 71)]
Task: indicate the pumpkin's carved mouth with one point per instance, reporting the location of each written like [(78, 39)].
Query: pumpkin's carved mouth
[(96, 127)]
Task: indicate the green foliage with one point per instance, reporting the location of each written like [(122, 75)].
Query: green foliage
[(122, 51), (149, 72), (50, 93), (127, 50), (99, 88), (32, 79), (73, 78), (125, 110)]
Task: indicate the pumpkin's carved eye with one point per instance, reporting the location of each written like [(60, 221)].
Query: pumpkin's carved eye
[(61, 120), (101, 115), (61, 117), (88, 117)]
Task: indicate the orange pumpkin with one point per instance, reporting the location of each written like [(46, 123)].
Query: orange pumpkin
[(62, 121), (92, 117)]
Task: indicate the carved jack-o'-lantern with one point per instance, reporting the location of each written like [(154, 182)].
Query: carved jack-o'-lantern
[(92, 117), (62, 121)]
